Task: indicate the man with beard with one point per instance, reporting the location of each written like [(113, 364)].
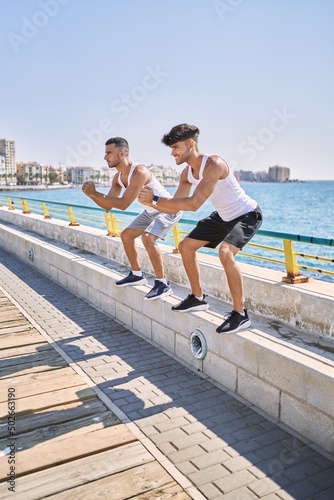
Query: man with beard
[(150, 224)]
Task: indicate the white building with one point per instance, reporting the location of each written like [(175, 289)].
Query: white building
[(278, 174), (2, 169), (79, 175), (7, 150)]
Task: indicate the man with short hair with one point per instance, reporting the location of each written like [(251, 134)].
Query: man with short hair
[(234, 222), (150, 224)]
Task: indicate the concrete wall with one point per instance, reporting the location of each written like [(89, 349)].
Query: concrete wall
[(288, 381), (308, 306)]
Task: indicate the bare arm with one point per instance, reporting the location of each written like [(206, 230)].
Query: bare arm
[(145, 197), (113, 199), (215, 169)]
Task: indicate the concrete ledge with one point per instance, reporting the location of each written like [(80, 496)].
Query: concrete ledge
[(308, 306), (280, 370)]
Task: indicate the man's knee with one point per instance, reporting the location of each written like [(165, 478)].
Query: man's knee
[(186, 246), (148, 239), (226, 253), (126, 235)]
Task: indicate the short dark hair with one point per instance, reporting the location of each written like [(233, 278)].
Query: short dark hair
[(119, 143), (181, 132)]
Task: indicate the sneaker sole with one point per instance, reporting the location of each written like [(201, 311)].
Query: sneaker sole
[(169, 292), (203, 307), (141, 282), (244, 326)]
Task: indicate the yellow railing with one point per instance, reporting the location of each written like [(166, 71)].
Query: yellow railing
[(115, 221)]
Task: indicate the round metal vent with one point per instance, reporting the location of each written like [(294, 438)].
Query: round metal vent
[(198, 344)]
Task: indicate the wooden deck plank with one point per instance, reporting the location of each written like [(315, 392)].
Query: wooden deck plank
[(55, 415), (18, 355), (31, 363), (10, 340), (33, 404), (28, 368), (25, 349), (79, 472), (169, 492), (9, 311), (135, 482), (11, 323), (69, 447), (44, 382), (21, 327), (64, 430)]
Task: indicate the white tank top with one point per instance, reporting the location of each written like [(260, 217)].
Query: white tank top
[(228, 197), (154, 184)]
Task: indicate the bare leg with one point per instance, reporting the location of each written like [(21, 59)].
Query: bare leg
[(188, 248), (128, 237), (154, 253), (233, 274)]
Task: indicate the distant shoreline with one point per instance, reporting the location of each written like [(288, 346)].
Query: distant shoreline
[(78, 186), (35, 188)]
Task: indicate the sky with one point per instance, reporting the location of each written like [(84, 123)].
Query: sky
[(256, 77)]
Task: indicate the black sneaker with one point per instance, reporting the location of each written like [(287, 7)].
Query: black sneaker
[(159, 290), (132, 279), (234, 322), (191, 303)]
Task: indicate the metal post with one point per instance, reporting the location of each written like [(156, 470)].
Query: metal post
[(114, 224), (25, 207), (45, 211), (292, 268), (109, 224), (10, 204), (72, 218), (177, 238)]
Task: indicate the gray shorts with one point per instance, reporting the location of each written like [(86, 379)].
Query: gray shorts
[(158, 223)]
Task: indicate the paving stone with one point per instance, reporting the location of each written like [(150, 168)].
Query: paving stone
[(324, 479), (212, 458), (235, 481), (171, 423), (264, 487), (171, 436), (302, 471), (302, 490), (237, 463), (187, 468), (185, 455), (273, 496), (161, 401), (325, 495), (150, 430), (208, 475), (240, 494), (271, 437), (214, 444), (166, 448), (210, 491)]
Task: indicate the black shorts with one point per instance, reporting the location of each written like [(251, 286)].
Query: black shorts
[(237, 232)]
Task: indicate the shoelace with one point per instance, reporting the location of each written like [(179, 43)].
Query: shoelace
[(231, 315)]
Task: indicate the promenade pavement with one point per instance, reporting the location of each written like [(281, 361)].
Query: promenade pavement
[(215, 444)]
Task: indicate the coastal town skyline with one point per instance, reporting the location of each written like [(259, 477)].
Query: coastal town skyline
[(21, 173), (253, 76)]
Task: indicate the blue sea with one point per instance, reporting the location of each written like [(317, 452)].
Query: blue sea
[(303, 208)]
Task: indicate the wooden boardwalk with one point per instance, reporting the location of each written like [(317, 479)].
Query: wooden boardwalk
[(58, 439)]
